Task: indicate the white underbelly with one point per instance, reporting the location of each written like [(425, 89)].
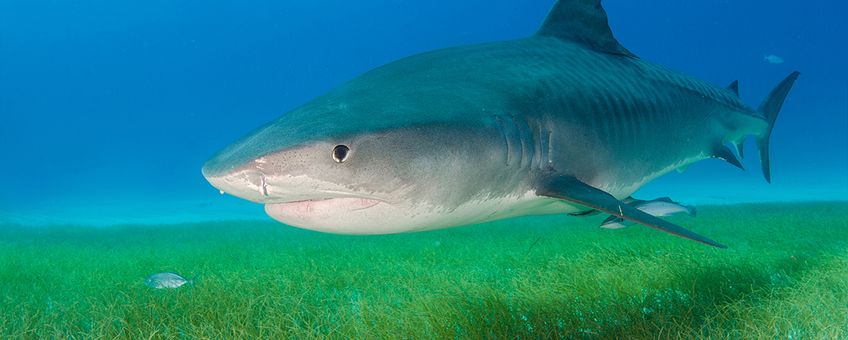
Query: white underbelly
[(383, 218)]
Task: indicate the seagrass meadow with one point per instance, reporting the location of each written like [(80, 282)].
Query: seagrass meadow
[(784, 276)]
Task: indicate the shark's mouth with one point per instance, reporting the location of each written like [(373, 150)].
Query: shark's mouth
[(313, 207)]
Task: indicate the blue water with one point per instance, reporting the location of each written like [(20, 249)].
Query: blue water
[(109, 108)]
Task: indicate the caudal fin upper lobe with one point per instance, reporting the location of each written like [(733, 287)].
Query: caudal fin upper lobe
[(770, 108)]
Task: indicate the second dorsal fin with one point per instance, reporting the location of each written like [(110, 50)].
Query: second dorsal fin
[(734, 87), (584, 22)]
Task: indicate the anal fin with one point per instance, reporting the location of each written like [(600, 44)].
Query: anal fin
[(739, 146), (723, 152), (573, 190)]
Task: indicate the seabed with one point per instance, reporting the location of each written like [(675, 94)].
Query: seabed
[(785, 275)]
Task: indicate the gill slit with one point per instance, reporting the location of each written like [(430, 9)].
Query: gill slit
[(521, 136), (545, 137), (502, 129), (536, 162)]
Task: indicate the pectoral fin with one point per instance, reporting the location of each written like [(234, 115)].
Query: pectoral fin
[(573, 190)]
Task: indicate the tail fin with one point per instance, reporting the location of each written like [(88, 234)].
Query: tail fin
[(770, 108)]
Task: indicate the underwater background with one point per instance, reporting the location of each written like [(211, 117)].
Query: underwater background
[(118, 104), (108, 110)]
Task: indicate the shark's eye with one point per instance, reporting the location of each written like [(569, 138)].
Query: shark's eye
[(340, 153)]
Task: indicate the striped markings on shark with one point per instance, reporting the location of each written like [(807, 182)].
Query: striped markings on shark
[(565, 121)]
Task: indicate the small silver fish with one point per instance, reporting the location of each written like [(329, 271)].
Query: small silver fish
[(773, 59), (166, 281), (657, 207)]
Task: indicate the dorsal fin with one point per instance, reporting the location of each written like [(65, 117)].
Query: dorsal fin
[(734, 87), (583, 22)]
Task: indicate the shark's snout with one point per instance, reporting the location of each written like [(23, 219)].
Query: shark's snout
[(243, 183), (234, 171)]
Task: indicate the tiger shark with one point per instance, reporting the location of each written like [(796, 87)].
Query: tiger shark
[(564, 121)]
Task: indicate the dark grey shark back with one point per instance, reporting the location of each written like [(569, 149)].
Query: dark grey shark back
[(620, 97)]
